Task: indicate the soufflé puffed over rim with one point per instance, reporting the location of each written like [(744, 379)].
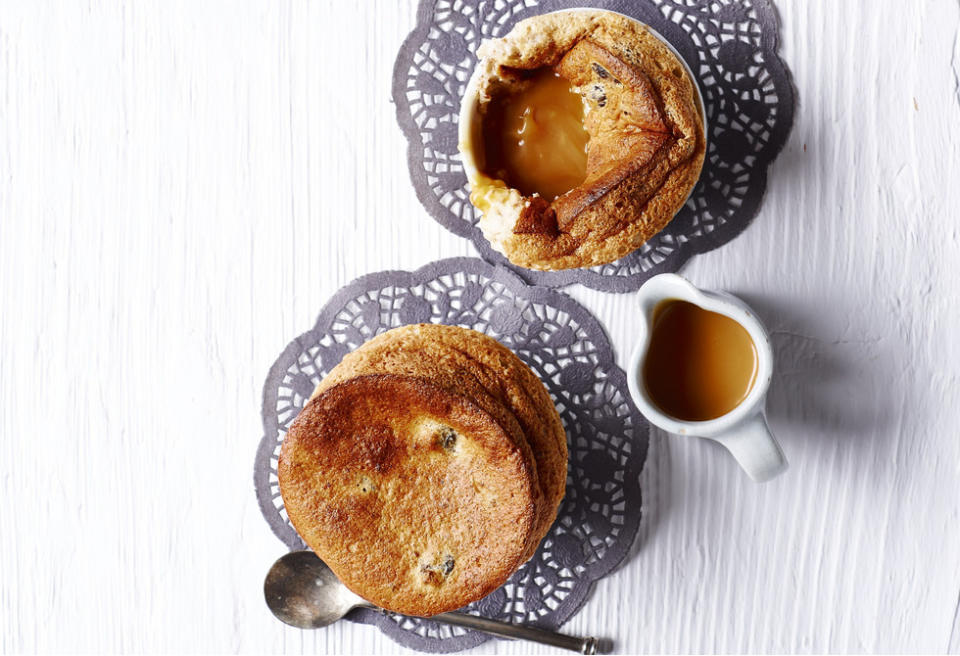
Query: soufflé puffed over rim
[(644, 138), (426, 469)]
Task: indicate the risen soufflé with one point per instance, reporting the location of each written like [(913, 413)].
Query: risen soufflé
[(585, 138), (426, 469)]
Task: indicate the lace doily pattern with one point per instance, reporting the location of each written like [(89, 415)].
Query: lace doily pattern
[(730, 45), (567, 348)]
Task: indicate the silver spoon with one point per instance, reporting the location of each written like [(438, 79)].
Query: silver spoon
[(303, 592)]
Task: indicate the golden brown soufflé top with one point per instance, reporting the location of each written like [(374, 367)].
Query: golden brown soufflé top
[(427, 467), (588, 138)]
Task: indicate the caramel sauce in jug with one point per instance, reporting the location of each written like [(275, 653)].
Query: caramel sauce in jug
[(700, 365)]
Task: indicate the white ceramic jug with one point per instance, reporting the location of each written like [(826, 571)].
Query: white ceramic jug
[(743, 430)]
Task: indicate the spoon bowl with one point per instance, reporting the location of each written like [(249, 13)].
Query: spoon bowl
[(303, 592)]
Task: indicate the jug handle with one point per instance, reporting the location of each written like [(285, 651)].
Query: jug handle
[(755, 448)]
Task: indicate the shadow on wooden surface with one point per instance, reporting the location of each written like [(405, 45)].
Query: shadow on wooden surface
[(815, 378)]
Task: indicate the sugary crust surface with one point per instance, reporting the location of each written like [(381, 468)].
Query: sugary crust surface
[(416, 498), (470, 363), (617, 215), (411, 352), (513, 381), (369, 435)]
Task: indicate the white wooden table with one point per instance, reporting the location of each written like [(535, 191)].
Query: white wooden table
[(182, 186)]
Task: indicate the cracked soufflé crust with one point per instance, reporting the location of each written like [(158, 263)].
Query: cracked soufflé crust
[(646, 146), (470, 363), (416, 498), (466, 370)]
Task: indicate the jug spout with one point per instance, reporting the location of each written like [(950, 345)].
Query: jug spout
[(665, 287)]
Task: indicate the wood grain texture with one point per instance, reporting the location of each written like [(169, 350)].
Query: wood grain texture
[(182, 185)]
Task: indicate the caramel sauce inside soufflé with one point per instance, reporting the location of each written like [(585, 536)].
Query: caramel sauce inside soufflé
[(562, 136), (700, 365), (534, 139)]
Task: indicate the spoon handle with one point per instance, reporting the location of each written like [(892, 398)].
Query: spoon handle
[(519, 632)]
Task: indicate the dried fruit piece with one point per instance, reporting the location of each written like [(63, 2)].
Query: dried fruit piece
[(435, 573), (447, 438)]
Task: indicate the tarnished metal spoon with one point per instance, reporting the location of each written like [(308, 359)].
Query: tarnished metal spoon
[(303, 592)]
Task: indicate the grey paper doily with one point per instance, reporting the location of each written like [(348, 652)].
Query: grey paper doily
[(730, 45), (567, 348)]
